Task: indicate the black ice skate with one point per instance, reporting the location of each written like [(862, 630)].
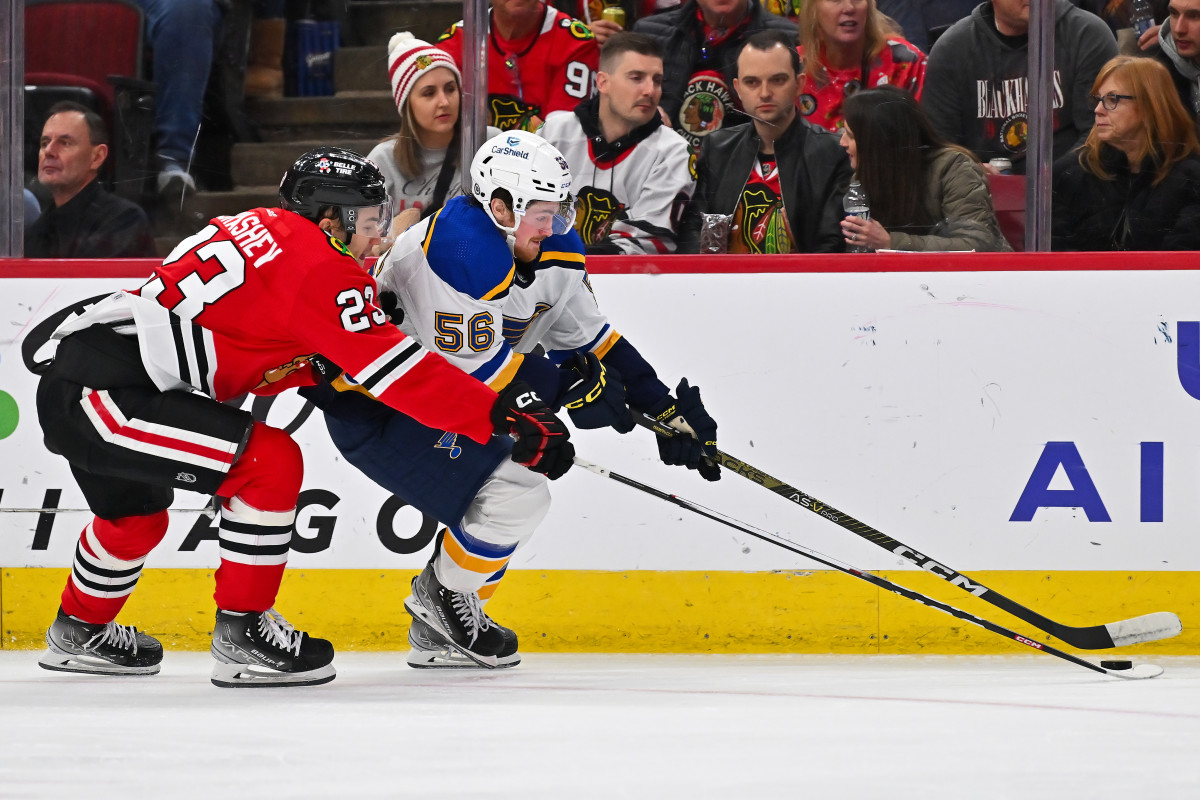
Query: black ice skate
[(264, 649), (99, 649), (430, 651), (458, 618)]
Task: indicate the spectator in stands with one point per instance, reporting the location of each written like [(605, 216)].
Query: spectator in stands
[(1177, 47), (420, 162), (182, 35), (1135, 182), (925, 193), (845, 46), (264, 59), (540, 60), (86, 221), (976, 83), (633, 174), (700, 41), (777, 182)]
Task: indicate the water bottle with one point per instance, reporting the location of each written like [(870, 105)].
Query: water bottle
[(856, 204), (1141, 15)]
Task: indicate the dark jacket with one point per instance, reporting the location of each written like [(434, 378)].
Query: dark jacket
[(1185, 73), (678, 31), (92, 224), (976, 82), (1126, 213), (813, 175)]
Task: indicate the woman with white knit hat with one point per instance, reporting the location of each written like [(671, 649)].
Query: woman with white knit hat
[(420, 161)]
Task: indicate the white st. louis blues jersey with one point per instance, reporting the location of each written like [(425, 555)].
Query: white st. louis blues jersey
[(464, 297)]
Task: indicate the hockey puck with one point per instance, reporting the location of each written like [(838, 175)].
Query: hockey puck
[(1117, 663)]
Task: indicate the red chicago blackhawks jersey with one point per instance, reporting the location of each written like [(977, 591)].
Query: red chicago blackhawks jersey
[(241, 306), (551, 69), (899, 64)]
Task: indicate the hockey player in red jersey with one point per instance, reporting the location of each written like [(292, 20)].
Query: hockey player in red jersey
[(133, 399), (539, 60)]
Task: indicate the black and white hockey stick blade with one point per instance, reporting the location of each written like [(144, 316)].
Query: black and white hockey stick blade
[(1135, 673), (1148, 628)]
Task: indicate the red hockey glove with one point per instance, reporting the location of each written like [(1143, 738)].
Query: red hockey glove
[(542, 440)]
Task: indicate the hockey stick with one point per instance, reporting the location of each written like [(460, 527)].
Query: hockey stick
[(1146, 628), (1136, 673)]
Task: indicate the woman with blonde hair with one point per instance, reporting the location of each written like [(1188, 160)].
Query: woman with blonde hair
[(420, 162), (1134, 184), (925, 193), (847, 46)]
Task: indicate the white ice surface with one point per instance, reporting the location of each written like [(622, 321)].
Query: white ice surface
[(610, 726)]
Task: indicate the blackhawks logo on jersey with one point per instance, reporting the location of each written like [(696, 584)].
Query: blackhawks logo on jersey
[(760, 223), (595, 212), (577, 29), (706, 101), (510, 113)]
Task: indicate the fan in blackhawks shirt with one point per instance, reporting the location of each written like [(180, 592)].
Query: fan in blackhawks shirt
[(134, 399), (633, 175), (846, 47), (539, 60)]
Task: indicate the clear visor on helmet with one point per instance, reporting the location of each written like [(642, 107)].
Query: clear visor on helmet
[(370, 221), (545, 215)]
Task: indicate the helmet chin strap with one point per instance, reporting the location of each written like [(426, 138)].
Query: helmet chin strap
[(510, 234)]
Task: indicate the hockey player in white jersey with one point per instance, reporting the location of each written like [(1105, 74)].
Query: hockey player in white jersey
[(459, 290)]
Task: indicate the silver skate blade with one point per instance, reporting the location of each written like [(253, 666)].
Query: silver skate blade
[(83, 665), (447, 658), (1140, 672), (238, 676), (420, 612)]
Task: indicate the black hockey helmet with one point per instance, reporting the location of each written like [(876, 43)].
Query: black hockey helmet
[(331, 176)]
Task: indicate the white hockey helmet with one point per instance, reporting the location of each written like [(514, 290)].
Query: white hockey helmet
[(530, 170)]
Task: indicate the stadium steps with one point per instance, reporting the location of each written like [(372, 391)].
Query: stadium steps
[(359, 113)]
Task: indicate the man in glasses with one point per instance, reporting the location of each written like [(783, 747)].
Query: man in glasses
[(539, 60), (134, 398), (701, 40), (496, 282), (977, 86)]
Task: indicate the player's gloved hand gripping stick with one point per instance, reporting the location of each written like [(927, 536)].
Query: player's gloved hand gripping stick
[(1146, 628), (685, 413), (541, 439)]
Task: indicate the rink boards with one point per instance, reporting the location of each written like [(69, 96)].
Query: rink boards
[(1037, 430)]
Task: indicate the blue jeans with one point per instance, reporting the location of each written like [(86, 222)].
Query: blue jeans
[(183, 34)]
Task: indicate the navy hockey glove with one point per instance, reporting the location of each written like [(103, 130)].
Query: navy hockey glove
[(541, 438), (596, 398), (695, 447)]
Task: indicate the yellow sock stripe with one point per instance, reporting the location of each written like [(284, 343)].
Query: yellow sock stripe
[(469, 561), (488, 590)]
